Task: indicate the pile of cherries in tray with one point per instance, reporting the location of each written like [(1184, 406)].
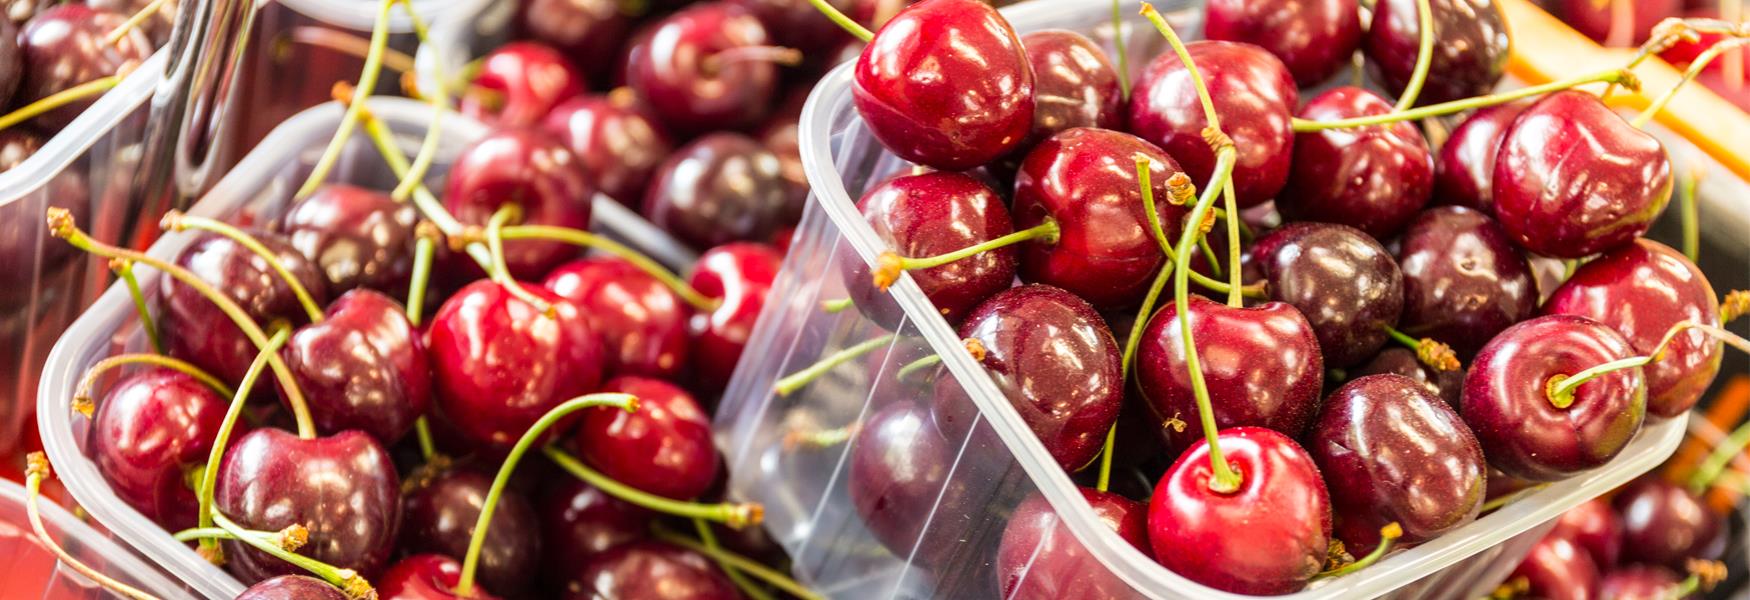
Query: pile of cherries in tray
[(1625, 23)]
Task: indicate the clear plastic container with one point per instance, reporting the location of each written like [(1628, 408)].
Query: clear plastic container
[(945, 548), (257, 191), (33, 572)]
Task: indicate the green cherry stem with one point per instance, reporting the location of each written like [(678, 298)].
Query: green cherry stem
[(1670, 31), (351, 45), (440, 105), (1424, 56), (1695, 67), (917, 365), (709, 541), (1235, 291), (1622, 76), (1436, 355), (177, 221), (423, 249), (1213, 118), (796, 381), (367, 81), (289, 539), (61, 225), (850, 25), (115, 35), (348, 580), (37, 470), (124, 269), (1123, 55), (890, 264), (1213, 258), (210, 475), (82, 400), (422, 433), (833, 307), (1561, 388), (1691, 213), (1388, 535), (585, 239), (471, 559), (1711, 467), (749, 566), (63, 98), (734, 515), (500, 272)]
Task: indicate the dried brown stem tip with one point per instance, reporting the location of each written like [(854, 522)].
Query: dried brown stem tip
[(1336, 555), (1175, 423), (1736, 304), (60, 222), (37, 464), (342, 92), (888, 266), (211, 553), (1709, 572), (172, 221), (1628, 79), (751, 513), (1181, 191), (292, 538), (84, 406), (1437, 355), (428, 230), (975, 348), (356, 587)]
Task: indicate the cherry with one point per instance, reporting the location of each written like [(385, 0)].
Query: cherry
[(1343, 281), (1085, 180), (149, 430), (1465, 167), (1392, 452), (1039, 558), (950, 106), (1470, 49), (294, 587), (11, 62), (642, 322), (439, 516), (929, 214), (364, 367), (588, 33), (1684, 52), (579, 521), (426, 577), (1641, 290), (651, 569), (1054, 359), (195, 330), (1595, 528), (1664, 524), (1446, 385), (739, 276), (1526, 431), (1573, 179), (664, 448), (1640, 582), (519, 83), (781, 134), (901, 467), (723, 187), (1074, 84), (342, 488), (1253, 93), (532, 170), (66, 46), (1464, 281), (1313, 38), (615, 138), (1597, 21), (1371, 178), (356, 237), (499, 364), (1261, 365), (1268, 537), (687, 74), (1557, 569)]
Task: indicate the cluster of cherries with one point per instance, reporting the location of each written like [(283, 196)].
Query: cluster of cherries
[(1625, 23)]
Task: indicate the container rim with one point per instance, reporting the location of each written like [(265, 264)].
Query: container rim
[(79, 136), (54, 516), (362, 16)]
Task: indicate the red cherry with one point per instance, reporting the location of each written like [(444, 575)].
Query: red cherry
[(1371, 178), (588, 33), (1470, 47), (342, 488), (651, 569), (438, 517), (356, 237), (679, 70), (664, 448), (1446, 385), (1664, 524), (901, 467), (519, 83), (195, 330), (926, 215), (533, 171), (1313, 38), (149, 429), (579, 521), (1074, 84), (740, 276), (1465, 168), (65, 46), (1343, 281), (723, 187), (293, 587), (1558, 570), (363, 367), (1594, 526), (642, 322), (426, 577), (615, 138), (1464, 280), (1040, 559), (1640, 582)]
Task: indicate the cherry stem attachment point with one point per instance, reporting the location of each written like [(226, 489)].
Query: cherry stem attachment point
[(1695, 67), (585, 239), (373, 67), (1388, 536), (1703, 576), (1430, 352), (36, 471), (63, 98), (1710, 468), (709, 542), (1622, 76), (177, 221), (735, 515), (500, 271), (124, 269), (796, 381), (1561, 387), (82, 399), (838, 17), (751, 567), (1424, 56), (348, 580), (890, 264), (222, 440)]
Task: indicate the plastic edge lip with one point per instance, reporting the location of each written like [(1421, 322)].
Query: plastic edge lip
[(361, 16), (132, 567), (84, 132)]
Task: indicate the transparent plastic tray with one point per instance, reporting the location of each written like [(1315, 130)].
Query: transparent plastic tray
[(806, 489), (255, 192), (32, 572)]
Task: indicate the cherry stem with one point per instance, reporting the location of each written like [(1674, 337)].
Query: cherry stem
[(709, 541), (1123, 56), (82, 399), (747, 565), (1623, 76), (1691, 213), (37, 470), (500, 272), (115, 35), (833, 307), (850, 25), (1506, 499), (61, 225), (1669, 31), (1235, 292), (125, 269), (1561, 387), (734, 515), (289, 539), (1213, 258), (890, 264), (917, 365), (796, 381), (825, 438), (714, 63), (64, 97), (585, 239), (1695, 67), (471, 559), (423, 249), (422, 433), (1424, 56), (428, 204), (1104, 479), (351, 45), (1436, 355), (1388, 536), (1715, 464), (440, 103), (367, 81), (349, 581), (1166, 29), (210, 475), (177, 221)]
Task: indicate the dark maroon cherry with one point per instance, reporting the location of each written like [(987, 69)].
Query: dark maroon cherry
[(343, 488), (1640, 582), (428, 577), (1573, 179), (294, 587), (1557, 569), (1253, 94), (1597, 20), (901, 467), (615, 138), (1391, 452), (438, 517), (528, 168), (196, 330), (150, 429), (1074, 84), (499, 364), (1464, 280), (739, 275), (689, 76), (1641, 290), (1269, 537), (589, 33), (519, 83), (579, 521), (1039, 559), (951, 106), (1594, 526), (664, 448), (925, 215), (363, 367), (721, 188), (1445, 385), (1664, 524), (1085, 180), (1054, 359), (651, 569), (1313, 38), (642, 322), (1509, 406), (357, 237), (1262, 367), (1465, 167), (1470, 47), (11, 61), (66, 46), (1343, 281), (1371, 178)]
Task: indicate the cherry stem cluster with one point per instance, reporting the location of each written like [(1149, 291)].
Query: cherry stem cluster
[(125, 270), (177, 221), (38, 470), (210, 475), (349, 581)]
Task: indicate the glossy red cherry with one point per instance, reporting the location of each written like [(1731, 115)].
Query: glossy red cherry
[(1640, 582), (1470, 47), (519, 83), (684, 74), (723, 187), (579, 521), (195, 330), (926, 215), (1040, 559), (642, 322), (664, 448), (951, 106), (426, 577), (1664, 524), (739, 275), (1558, 569), (1253, 94), (1573, 179), (293, 587), (356, 237), (528, 168), (1371, 178), (499, 364), (363, 367), (439, 515), (343, 488), (1464, 280), (1313, 38), (1268, 537), (1343, 281), (1641, 290), (588, 33), (1391, 452), (1085, 180), (1597, 19), (651, 569), (901, 467), (1507, 399), (67, 45), (1594, 526), (1446, 385), (1464, 171), (149, 430), (1262, 367), (615, 138), (1074, 84)]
